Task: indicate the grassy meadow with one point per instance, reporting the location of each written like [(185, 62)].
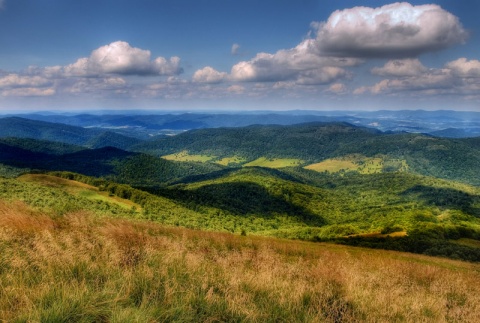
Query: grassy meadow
[(274, 162), (79, 189), (78, 267), (360, 164), (184, 156)]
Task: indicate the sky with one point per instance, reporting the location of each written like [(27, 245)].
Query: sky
[(239, 55)]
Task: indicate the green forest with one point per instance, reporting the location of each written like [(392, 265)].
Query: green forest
[(237, 224), (406, 192)]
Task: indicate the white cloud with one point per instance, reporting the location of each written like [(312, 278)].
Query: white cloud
[(29, 91), (94, 85), (120, 58), (16, 80), (235, 49), (458, 77), (301, 63), (237, 89), (440, 79), (208, 75), (322, 75), (404, 67), (337, 88), (395, 30), (465, 68), (2, 4), (431, 82)]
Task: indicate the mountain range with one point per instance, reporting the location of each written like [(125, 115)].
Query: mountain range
[(319, 181)]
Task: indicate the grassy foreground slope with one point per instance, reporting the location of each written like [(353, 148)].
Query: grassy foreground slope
[(82, 268)]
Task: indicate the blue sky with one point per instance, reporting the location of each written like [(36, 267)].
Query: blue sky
[(239, 55)]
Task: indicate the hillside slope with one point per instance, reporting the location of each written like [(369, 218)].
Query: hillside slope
[(61, 269), (455, 159), (58, 132), (113, 163)]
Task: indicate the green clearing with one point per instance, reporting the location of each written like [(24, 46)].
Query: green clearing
[(467, 242), (274, 162), (360, 164), (333, 166), (184, 156), (226, 161), (79, 189)]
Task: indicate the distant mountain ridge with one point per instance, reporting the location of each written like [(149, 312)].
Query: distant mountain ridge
[(456, 159), (258, 179), (42, 130), (294, 145), (144, 124)]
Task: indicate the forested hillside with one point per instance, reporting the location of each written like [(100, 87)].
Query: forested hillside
[(455, 159), (319, 181), (59, 132), (109, 162)]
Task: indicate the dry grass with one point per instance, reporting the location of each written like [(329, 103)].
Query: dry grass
[(274, 162), (84, 269), (185, 156), (79, 189)]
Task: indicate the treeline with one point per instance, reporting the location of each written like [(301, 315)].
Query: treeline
[(454, 159), (429, 239), (310, 142), (108, 162), (161, 208), (312, 206)]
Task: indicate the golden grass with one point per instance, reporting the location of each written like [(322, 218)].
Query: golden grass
[(186, 157), (333, 165), (467, 242), (230, 160), (82, 268), (78, 189), (380, 235), (274, 162), (358, 163)]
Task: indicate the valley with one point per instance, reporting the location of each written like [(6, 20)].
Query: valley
[(275, 201), (315, 181)]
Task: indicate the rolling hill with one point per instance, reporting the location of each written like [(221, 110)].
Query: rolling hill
[(382, 185), (58, 132), (448, 158), (79, 266), (142, 124)]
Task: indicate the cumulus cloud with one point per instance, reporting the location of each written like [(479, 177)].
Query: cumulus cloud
[(459, 77), (337, 88), (301, 63), (398, 30), (324, 75), (16, 81), (208, 75), (349, 36), (424, 82), (104, 72), (121, 58), (464, 67), (237, 89), (95, 85), (235, 49), (404, 67), (29, 91)]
